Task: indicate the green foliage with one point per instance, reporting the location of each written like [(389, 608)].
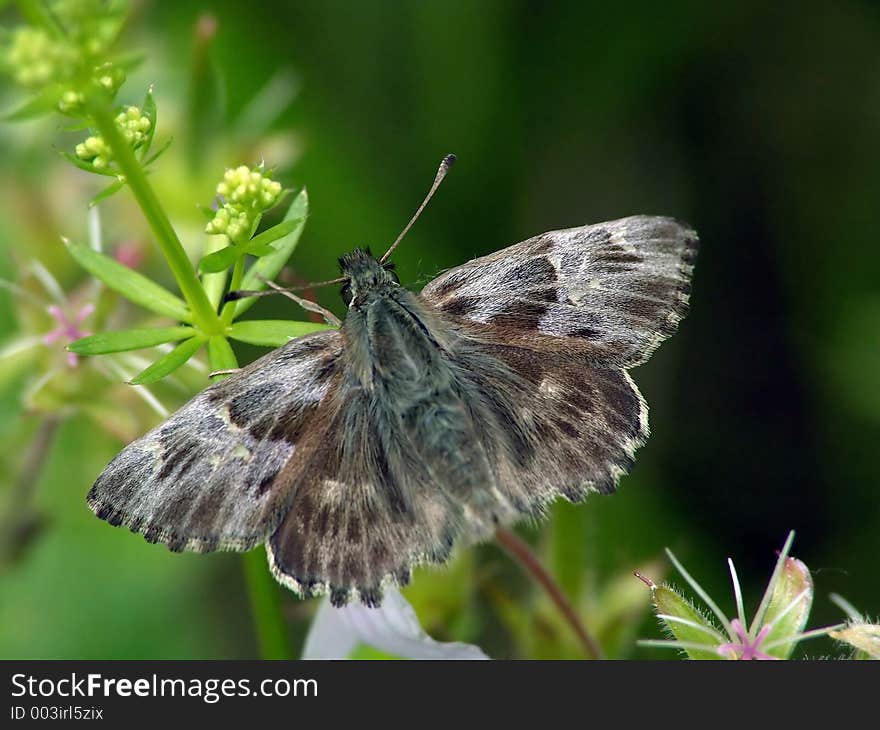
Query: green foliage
[(65, 60), (134, 286), (167, 364), (134, 339), (764, 410)]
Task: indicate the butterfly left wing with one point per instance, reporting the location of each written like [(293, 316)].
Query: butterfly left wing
[(365, 507), (609, 292), (207, 478)]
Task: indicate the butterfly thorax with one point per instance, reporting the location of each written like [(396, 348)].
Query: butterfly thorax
[(399, 354), (391, 334)]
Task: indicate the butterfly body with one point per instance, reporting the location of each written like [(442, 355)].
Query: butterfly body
[(426, 419)]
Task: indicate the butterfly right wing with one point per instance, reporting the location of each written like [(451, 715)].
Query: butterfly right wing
[(609, 292), (550, 427), (206, 479)]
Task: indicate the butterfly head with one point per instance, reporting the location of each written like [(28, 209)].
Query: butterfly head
[(365, 274)]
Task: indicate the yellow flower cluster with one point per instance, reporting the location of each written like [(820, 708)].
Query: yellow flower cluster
[(246, 194), (134, 127), (34, 59)]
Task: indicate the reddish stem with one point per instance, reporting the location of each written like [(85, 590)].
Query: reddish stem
[(520, 551)]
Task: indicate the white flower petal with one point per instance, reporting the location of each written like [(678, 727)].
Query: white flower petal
[(330, 636), (394, 628)]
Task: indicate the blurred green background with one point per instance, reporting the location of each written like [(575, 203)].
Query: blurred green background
[(757, 123)]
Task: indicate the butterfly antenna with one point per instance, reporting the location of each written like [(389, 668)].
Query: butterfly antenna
[(247, 293), (445, 164)]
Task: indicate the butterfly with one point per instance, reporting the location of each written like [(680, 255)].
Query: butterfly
[(426, 419)]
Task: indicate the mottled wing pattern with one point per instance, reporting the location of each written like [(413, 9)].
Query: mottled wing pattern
[(358, 454), (205, 479), (365, 508), (610, 292), (387, 487), (550, 426)]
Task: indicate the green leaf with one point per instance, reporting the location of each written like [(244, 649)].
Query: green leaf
[(272, 332), (107, 192), (221, 356), (257, 246), (149, 110), (215, 284), (134, 339), (222, 259), (270, 235), (87, 166), (132, 285), (170, 362), (74, 126), (267, 267), (130, 60), (159, 152), (37, 106), (259, 250)]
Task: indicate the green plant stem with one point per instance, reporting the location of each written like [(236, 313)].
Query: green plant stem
[(166, 237), (229, 308), (19, 518), (266, 607), (520, 551), (34, 460)]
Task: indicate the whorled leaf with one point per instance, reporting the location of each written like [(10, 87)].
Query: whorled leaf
[(107, 192), (87, 166), (132, 285), (169, 363), (272, 332), (220, 355), (133, 339), (221, 260), (257, 246), (149, 110), (268, 267), (37, 106)]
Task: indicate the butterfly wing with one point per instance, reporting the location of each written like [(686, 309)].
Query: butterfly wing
[(549, 425), (545, 332), (206, 479), (365, 508), (610, 292)]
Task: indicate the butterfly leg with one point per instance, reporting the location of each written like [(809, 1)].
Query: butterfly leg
[(309, 306), (230, 371)]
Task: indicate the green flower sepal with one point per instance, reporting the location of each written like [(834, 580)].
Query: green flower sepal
[(776, 628)]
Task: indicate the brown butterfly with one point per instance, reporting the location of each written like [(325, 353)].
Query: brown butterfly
[(425, 418)]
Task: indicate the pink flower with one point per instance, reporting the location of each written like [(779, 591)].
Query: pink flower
[(746, 648), (68, 330)]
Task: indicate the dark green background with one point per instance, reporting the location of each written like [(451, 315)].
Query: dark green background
[(755, 122)]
